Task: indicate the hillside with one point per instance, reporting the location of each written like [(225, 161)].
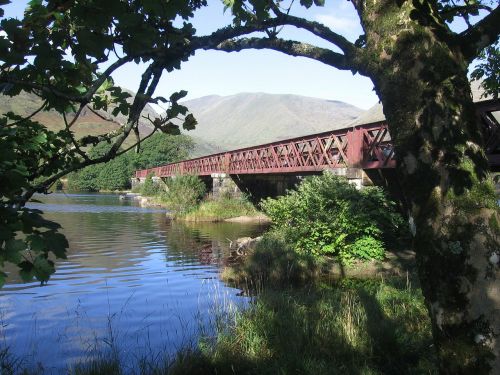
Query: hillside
[(224, 122), (246, 119), (25, 104)]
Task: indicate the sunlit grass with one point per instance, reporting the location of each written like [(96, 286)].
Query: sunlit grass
[(217, 209)]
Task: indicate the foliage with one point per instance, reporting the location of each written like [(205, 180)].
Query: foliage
[(328, 215), (162, 149), (26, 238), (151, 187), (488, 70), (65, 53), (115, 174), (183, 193)]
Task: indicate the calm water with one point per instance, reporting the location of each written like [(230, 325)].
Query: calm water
[(133, 283)]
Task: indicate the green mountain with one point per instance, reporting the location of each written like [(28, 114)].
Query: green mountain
[(247, 119)]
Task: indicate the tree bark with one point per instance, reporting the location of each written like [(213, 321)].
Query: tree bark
[(420, 76)]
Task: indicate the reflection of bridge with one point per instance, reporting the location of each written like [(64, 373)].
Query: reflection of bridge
[(365, 147)]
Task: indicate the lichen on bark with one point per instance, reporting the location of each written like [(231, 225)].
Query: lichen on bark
[(422, 83)]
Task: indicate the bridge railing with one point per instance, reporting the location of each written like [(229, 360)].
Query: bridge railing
[(367, 146)]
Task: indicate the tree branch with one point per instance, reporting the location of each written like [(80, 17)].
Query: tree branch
[(482, 34), (316, 28), (108, 119), (289, 47)]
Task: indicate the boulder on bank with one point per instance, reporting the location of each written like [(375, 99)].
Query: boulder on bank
[(243, 244)]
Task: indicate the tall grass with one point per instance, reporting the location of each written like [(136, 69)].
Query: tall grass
[(369, 327), (350, 327), (218, 209)]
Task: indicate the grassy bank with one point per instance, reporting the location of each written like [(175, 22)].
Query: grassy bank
[(186, 197), (218, 209), (351, 327)]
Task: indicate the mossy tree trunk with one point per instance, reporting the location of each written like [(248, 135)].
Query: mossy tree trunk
[(422, 83)]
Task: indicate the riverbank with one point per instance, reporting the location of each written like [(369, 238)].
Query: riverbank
[(236, 210), (372, 327)]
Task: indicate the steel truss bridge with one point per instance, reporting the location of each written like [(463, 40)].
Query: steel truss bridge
[(365, 146)]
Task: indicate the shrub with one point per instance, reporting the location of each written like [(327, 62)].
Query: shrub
[(183, 193), (328, 215), (151, 187)]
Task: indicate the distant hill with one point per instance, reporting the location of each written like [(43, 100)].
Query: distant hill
[(25, 104), (376, 113), (224, 122), (247, 119)]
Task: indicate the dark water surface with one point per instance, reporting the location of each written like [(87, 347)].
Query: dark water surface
[(133, 283)]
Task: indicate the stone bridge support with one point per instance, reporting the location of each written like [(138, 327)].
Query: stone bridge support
[(356, 176), (256, 186)]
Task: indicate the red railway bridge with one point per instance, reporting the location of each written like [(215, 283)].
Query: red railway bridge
[(357, 152)]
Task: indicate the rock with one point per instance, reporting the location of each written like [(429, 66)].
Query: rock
[(243, 244), (261, 218)]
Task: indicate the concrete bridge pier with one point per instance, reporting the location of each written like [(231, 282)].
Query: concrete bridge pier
[(355, 176), (223, 184), (136, 181), (261, 186)]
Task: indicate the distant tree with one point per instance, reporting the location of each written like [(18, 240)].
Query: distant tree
[(162, 149), (115, 174)]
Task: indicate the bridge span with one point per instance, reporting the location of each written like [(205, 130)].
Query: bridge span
[(366, 148)]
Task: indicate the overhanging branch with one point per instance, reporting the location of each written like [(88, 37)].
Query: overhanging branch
[(230, 32), (482, 34), (289, 47)]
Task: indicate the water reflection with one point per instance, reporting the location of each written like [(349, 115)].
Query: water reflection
[(130, 278)]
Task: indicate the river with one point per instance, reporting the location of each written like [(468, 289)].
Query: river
[(134, 284)]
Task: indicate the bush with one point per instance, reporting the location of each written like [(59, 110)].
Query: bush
[(151, 188), (183, 193), (328, 215)]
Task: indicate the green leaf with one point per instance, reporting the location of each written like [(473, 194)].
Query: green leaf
[(43, 268), (189, 122), (176, 96), (26, 270), (37, 243), (57, 243), (13, 249)]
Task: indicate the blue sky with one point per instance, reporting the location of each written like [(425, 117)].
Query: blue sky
[(220, 73)]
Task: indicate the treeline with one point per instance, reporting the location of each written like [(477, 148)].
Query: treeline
[(115, 175)]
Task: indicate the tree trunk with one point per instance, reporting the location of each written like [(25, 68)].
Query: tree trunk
[(422, 83)]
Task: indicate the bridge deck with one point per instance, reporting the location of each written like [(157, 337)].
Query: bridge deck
[(365, 146)]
